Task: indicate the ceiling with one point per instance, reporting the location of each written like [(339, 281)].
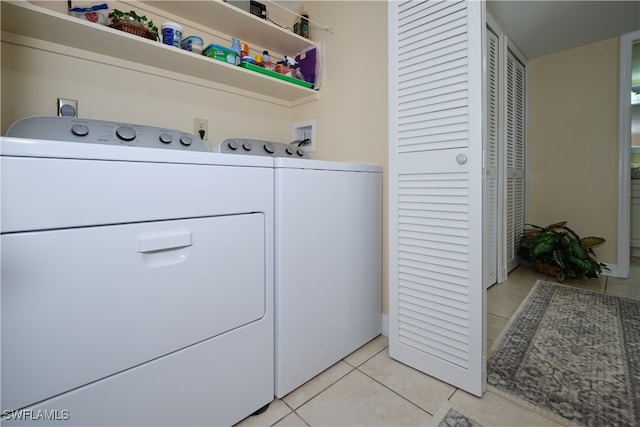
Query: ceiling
[(543, 27)]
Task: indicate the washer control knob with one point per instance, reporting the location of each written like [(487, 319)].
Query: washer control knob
[(126, 133), (300, 152), (232, 145), (80, 129), (268, 147), (247, 146), (185, 140), (165, 138), (289, 150)]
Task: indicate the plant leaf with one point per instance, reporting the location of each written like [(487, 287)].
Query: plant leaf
[(556, 225), (576, 249), (543, 244), (584, 265), (590, 242)]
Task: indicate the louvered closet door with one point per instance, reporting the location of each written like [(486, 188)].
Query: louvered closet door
[(514, 140), (436, 301), (491, 161)]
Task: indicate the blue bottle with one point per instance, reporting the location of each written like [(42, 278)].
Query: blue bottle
[(235, 46)]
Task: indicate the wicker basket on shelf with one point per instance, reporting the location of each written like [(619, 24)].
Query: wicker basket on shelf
[(134, 29)]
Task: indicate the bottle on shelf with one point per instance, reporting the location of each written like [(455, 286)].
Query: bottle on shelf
[(235, 46), (302, 28)]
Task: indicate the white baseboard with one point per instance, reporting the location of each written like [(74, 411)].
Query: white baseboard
[(385, 325), (612, 270)]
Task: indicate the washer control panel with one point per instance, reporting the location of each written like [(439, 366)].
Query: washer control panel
[(73, 129), (257, 147)]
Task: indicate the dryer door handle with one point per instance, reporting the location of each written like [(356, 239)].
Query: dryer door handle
[(164, 240)]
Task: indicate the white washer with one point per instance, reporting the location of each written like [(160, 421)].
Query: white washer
[(137, 283), (328, 265), (328, 258)]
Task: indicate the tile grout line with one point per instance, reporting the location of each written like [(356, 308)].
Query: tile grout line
[(497, 315), (353, 368), (391, 390), (325, 388)]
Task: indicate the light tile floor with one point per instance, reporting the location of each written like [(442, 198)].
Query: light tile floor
[(368, 388)]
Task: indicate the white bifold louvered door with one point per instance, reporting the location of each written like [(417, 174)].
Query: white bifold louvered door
[(436, 102), (492, 161), (515, 148)]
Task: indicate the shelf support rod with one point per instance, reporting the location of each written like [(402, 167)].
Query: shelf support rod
[(326, 28)]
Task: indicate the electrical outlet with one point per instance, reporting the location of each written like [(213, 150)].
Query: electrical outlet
[(306, 130), (67, 107), (201, 128)]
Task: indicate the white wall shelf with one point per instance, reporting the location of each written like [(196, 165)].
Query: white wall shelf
[(28, 20), (231, 20)]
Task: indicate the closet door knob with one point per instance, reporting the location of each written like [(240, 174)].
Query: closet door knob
[(461, 159)]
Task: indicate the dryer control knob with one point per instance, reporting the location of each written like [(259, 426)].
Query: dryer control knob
[(289, 150), (185, 140), (166, 138), (80, 130), (232, 145), (126, 133), (269, 148), (247, 146)]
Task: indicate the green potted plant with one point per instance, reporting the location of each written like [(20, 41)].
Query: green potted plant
[(558, 251), (133, 23)]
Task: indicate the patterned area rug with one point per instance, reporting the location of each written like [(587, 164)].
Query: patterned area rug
[(454, 418), (575, 353), (450, 416)]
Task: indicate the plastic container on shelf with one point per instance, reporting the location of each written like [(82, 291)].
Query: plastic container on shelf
[(271, 66), (283, 69), (193, 44), (98, 13), (266, 72), (220, 53), (235, 46), (171, 34), (244, 50), (248, 59)]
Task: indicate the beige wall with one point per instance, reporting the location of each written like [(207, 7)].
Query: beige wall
[(351, 112), (572, 142)]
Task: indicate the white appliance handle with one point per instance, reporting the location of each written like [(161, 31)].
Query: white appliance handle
[(164, 240)]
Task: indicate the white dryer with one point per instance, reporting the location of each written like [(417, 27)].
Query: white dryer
[(137, 283), (328, 257)]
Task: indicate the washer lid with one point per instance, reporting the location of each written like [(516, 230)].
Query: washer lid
[(289, 163)]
